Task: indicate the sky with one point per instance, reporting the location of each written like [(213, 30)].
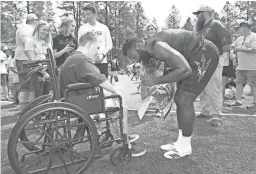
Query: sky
[(160, 8)]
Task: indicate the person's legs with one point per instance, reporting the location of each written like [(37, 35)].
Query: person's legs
[(240, 81), (116, 127), (12, 88), (4, 85), (214, 93), (186, 116), (23, 99), (205, 107), (116, 78), (224, 82), (187, 92), (211, 98), (16, 93), (251, 76)]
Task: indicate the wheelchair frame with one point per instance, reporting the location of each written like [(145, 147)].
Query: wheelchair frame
[(47, 104)]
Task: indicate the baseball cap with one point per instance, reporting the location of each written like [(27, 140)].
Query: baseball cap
[(244, 23), (31, 16), (203, 8)]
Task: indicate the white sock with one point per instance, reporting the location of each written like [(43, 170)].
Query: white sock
[(179, 137), (185, 143)]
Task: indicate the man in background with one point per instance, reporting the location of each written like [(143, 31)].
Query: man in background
[(211, 98)]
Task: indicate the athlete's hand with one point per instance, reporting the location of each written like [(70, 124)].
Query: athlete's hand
[(148, 80)]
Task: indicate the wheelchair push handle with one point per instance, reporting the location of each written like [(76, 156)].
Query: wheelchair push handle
[(79, 86)]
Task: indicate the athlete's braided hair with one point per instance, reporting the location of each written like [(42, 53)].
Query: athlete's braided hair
[(144, 56)]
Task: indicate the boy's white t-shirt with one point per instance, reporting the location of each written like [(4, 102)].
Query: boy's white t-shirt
[(103, 37)]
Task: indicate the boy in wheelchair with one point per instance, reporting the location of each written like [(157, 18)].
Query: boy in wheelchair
[(79, 68)]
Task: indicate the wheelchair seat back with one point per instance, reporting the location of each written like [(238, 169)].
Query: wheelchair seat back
[(90, 99)]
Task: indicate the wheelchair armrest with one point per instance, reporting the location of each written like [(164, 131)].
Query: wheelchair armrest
[(78, 86)]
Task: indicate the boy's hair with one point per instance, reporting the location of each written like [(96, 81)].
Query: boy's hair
[(91, 8), (88, 37)]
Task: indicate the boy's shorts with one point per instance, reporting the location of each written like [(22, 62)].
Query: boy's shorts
[(243, 76), (203, 64)]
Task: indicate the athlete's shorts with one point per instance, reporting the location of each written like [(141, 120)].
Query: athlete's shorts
[(203, 64)]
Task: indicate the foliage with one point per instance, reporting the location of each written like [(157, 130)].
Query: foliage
[(154, 22), (188, 25), (173, 19), (12, 13)]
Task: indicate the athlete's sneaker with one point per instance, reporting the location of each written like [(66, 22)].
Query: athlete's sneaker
[(136, 152), (133, 137), (168, 147)]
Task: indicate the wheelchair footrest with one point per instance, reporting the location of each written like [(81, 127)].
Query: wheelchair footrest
[(112, 109)]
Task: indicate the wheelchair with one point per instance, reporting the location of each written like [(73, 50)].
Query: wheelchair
[(60, 135)]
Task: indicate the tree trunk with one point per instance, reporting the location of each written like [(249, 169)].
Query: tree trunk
[(247, 10), (115, 27), (28, 7), (106, 11)]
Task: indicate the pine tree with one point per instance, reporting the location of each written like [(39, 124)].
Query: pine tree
[(188, 25), (173, 19), (155, 23)]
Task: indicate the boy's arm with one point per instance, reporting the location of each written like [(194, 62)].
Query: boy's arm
[(89, 73)]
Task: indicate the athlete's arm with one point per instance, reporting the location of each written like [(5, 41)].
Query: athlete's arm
[(174, 59)]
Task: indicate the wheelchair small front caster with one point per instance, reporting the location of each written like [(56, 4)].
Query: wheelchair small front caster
[(120, 156)]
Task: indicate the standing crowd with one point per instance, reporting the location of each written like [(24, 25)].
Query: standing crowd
[(200, 61)]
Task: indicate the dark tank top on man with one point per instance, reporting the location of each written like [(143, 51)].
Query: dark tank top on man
[(185, 42)]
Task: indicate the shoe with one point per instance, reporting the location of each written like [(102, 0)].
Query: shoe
[(168, 147), (176, 153), (236, 104), (215, 121), (133, 137), (202, 116), (136, 152), (158, 113), (251, 107)]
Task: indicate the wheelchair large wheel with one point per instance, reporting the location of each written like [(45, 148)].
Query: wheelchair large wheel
[(50, 128), (36, 102)]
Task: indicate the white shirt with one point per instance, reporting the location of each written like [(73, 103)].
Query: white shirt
[(246, 61), (3, 61), (22, 34), (11, 63), (103, 37), (38, 47)]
